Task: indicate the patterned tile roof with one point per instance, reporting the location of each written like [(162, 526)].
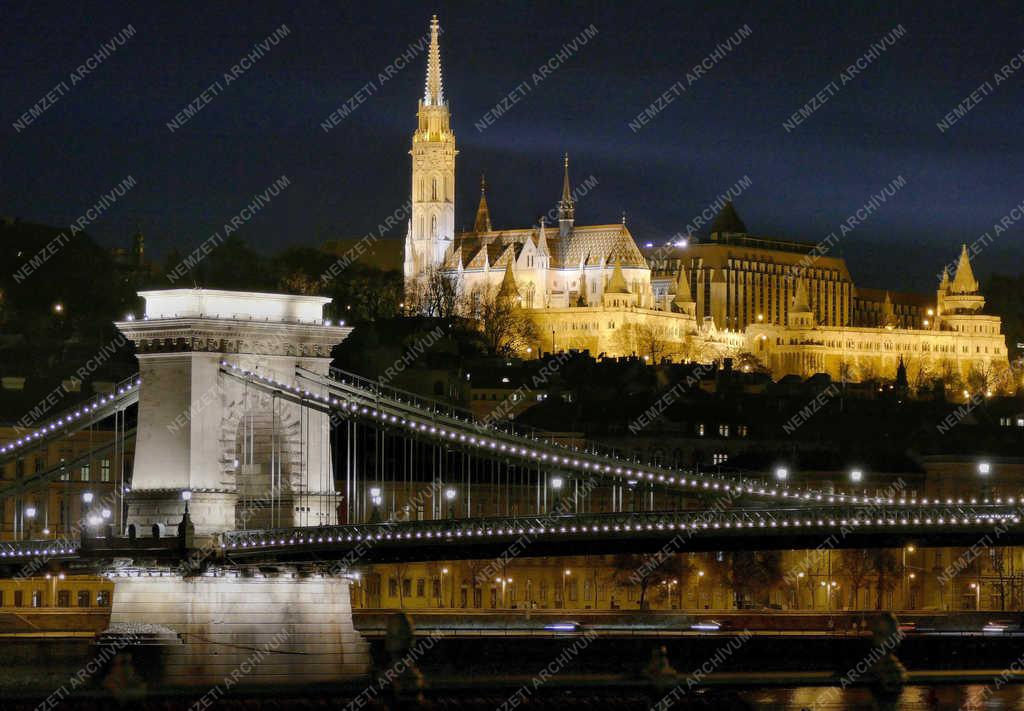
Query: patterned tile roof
[(589, 245)]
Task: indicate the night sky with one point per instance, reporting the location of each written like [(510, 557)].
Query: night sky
[(728, 124)]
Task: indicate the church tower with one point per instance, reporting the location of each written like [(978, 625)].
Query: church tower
[(432, 226)]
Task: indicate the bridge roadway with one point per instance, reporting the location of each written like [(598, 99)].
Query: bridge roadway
[(557, 534), (580, 534)]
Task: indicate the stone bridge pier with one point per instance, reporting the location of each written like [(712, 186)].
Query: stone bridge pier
[(207, 631)]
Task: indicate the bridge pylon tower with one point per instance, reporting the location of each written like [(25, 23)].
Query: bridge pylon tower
[(248, 459)]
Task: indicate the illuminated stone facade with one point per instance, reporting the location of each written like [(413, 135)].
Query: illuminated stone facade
[(788, 303), (958, 343)]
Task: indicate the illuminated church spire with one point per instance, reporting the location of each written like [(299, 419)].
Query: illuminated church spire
[(433, 94), (432, 224), (566, 207), (483, 214)]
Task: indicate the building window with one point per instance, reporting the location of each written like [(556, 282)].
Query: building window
[(407, 587), (741, 430), (421, 587), (63, 598), (478, 598), (436, 588), (105, 470), (19, 598), (85, 472), (723, 430), (393, 587), (83, 598), (103, 598), (719, 458), (700, 429), (544, 591), (37, 598)]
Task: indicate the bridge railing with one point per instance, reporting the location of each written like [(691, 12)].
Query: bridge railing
[(825, 518), (47, 548)]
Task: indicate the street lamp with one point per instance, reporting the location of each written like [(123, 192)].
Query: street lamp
[(781, 474), (977, 595), (376, 499), (556, 490), (186, 496), (856, 476), (87, 497), (30, 514), (450, 494), (440, 593), (984, 468), (504, 582), (565, 575), (906, 549), (700, 577)]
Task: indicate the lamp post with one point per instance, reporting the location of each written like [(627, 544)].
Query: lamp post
[(984, 470), (565, 575), (906, 549), (440, 592), (796, 589), (556, 489), (86, 505), (450, 495), (30, 514), (186, 531), (700, 577), (977, 595), (376, 499), (669, 584), (504, 582)]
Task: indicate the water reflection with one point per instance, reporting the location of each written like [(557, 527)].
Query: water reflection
[(914, 698)]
